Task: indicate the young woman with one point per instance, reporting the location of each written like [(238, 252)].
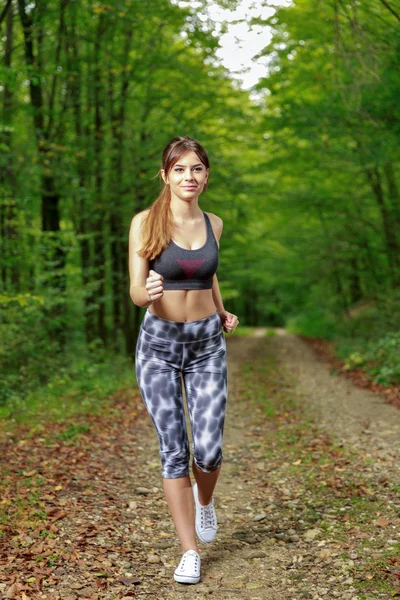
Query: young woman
[(173, 258)]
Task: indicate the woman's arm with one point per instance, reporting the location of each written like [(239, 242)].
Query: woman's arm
[(216, 294), (217, 225), (141, 282), (228, 320)]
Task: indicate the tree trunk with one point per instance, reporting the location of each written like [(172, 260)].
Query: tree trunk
[(54, 260), (392, 247), (355, 289), (117, 229), (10, 274), (80, 219), (393, 190), (99, 237)]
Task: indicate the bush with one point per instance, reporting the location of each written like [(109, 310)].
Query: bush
[(371, 340), (28, 354)]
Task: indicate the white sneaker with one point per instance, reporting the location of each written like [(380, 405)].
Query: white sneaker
[(188, 570), (206, 519)]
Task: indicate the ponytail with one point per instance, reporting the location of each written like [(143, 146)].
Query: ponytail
[(157, 226)]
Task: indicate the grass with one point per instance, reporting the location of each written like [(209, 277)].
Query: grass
[(73, 430), (242, 331), (85, 387)]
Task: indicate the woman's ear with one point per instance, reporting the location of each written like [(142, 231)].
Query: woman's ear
[(164, 177)]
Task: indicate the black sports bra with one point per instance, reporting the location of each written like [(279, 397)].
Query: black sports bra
[(188, 269)]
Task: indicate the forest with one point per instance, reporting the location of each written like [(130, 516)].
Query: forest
[(304, 174)]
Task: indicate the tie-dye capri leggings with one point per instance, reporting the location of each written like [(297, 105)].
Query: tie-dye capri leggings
[(196, 350)]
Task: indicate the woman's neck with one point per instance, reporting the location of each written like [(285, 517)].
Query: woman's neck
[(185, 211)]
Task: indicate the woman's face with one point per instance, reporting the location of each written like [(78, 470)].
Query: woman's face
[(187, 177)]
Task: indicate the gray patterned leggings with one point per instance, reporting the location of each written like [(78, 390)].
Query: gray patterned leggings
[(197, 350)]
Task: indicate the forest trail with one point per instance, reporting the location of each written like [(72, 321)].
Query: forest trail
[(356, 416), (302, 514)]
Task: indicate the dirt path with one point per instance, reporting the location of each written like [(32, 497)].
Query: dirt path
[(302, 514), (356, 416)]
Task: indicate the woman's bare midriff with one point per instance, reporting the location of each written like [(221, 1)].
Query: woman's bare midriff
[(184, 305)]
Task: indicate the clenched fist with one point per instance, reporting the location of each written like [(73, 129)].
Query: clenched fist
[(154, 286)]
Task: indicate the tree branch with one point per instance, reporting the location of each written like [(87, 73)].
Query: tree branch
[(5, 11), (390, 9)]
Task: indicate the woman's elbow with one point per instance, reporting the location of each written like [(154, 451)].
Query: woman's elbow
[(134, 296), (137, 297)]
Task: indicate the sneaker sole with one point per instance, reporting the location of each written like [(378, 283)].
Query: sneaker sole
[(186, 579)]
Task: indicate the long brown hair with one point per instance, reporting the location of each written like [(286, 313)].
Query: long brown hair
[(157, 226)]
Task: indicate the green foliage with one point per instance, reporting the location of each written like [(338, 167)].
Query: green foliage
[(304, 173), (73, 430), (28, 354), (377, 357), (241, 332), (367, 338), (82, 385), (316, 323)]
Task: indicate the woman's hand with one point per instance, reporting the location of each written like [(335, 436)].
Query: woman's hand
[(154, 286), (228, 320)]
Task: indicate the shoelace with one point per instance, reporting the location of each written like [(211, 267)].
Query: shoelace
[(207, 515), (188, 556)]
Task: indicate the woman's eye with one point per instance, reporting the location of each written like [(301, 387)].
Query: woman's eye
[(180, 169)]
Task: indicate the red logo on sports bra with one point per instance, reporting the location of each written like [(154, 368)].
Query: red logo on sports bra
[(190, 266)]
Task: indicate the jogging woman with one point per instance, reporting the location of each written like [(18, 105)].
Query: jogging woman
[(173, 258)]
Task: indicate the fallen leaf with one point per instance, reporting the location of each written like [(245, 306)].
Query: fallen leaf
[(47, 497), (13, 590), (382, 522), (59, 514), (77, 585)]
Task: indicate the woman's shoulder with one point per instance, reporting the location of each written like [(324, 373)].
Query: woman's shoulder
[(215, 220), (136, 231), (216, 223), (138, 219), (140, 216)]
